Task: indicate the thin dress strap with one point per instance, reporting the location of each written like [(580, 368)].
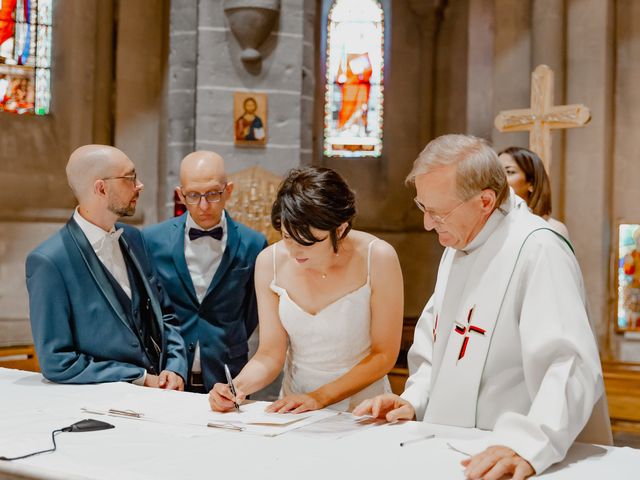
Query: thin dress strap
[(369, 261), (275, 247)]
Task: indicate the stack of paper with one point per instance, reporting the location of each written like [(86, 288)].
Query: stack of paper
[(253, 419)]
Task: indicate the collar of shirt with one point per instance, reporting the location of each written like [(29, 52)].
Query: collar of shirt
[(191, 223), (94, 233), (105, 245), (492, 222)]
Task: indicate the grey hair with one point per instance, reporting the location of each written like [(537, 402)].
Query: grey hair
[(477, 165)]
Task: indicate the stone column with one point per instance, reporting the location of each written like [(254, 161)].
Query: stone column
[(480, 71), (309, 62), (549, 47), (512, 66), (590, 58), (181, 95), (139, 86)]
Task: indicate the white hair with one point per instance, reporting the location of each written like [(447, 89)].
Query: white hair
[(477, 165)]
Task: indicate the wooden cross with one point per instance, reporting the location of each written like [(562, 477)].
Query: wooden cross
[(542, 116)]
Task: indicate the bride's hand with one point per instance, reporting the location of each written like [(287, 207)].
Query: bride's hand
[(296, 403)]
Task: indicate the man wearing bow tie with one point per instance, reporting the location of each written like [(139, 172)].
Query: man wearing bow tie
[(206, 262), (98, 312)]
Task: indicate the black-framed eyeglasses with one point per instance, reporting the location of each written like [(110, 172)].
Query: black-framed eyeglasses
[(132, 177), (193, 198)]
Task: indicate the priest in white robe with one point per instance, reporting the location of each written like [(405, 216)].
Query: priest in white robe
[(504, 344)]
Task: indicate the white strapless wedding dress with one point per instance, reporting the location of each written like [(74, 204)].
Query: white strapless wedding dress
[(324, 346)]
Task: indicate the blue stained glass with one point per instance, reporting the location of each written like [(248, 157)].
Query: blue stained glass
[(25, 56)]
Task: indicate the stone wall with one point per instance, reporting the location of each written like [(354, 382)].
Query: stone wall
[(35, 199), (107, 87), (205, 70)]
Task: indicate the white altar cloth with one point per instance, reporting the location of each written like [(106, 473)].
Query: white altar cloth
[(31, 407)]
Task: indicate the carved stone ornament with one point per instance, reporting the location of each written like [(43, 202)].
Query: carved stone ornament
[(251, 22)]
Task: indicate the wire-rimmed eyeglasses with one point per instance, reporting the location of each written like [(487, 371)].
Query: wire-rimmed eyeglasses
[(193, 198)]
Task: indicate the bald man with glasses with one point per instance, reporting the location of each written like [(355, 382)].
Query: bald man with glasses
[(98, 313), (206, 262)]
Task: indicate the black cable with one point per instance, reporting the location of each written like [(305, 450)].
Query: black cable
[(53, 439)]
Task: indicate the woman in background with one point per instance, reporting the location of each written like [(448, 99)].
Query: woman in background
[(529, 180)]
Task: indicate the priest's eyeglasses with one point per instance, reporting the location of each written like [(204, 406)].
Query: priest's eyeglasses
[(132, 177), (439, 219), (193, 198)]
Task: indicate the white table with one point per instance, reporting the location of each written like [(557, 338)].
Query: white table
[(31, 407)]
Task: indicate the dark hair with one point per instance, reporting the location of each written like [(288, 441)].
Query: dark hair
[(313, 197), (531, 165)]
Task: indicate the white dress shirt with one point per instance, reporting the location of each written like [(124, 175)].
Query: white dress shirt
[(107, 248), (203, 256)]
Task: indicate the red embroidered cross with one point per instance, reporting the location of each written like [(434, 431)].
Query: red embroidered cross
[(464, 330), (435, 328)]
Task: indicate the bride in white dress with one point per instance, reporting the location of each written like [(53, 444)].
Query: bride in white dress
[(330, 303)]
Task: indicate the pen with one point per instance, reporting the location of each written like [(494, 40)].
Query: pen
[(414, 440), (124, 413), (226, 426), (231, 387)]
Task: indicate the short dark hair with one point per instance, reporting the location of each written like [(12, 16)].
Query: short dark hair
[(531, 165), (313, 197)]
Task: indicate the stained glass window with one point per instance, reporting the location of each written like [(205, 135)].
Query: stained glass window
[(628, 277), (354, 81), (25, 56)]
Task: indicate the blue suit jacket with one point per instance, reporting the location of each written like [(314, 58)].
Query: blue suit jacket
[(228, 313), (80, 331)]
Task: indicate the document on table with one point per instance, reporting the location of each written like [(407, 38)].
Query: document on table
[(253, 419), (338, 426), (181, 408)]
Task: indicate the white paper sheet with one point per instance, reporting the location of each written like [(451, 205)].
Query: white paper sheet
[(179, 408)]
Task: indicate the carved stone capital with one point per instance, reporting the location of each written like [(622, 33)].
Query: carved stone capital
[(251, 22)]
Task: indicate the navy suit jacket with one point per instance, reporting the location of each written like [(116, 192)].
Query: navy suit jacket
[(228, 313), (80, 330)]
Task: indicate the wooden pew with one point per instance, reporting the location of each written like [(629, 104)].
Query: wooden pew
[(22, 357)]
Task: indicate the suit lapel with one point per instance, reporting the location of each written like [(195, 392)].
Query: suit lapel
[(151, 293), (177, 254), (233, 240), (95, 268)]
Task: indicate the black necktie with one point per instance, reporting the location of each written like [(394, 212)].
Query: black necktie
[(195, 233)]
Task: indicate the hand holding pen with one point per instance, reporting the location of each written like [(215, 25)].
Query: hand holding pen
[(231, 387), (222, 399)]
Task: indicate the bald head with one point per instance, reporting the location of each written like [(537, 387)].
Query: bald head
[(90, 163), (203, 173), (202, 167)]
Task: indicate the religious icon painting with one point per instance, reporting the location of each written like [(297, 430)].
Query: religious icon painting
[(250, 119), (628, 278)]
